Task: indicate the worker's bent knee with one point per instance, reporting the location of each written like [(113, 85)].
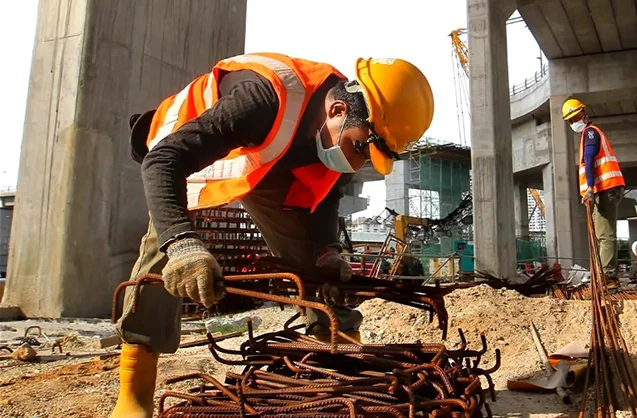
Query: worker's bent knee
[(156, 322)]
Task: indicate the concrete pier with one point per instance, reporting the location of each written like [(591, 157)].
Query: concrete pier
[(80, 209), (492, 162)]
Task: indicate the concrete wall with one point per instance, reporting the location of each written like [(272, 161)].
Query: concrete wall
[(531, 145), (80, 209), (606, 77)]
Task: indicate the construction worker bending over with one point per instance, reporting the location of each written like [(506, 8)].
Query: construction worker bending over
[(600, 182), (281, 135)]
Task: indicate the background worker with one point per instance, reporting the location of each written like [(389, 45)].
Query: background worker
[(282, 135), (600, 182)]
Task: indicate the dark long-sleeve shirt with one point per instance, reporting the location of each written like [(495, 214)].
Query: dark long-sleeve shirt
[(242, 117), (592, 142)]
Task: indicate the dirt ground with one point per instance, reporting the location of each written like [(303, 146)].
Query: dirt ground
[(63, 386)]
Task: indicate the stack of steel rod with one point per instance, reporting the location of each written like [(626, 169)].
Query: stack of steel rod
[(290, 374), (609, 358), (360, 288)]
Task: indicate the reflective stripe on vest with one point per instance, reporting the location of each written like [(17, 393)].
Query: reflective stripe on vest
[(607, 172), (241, 165), (172, 114)]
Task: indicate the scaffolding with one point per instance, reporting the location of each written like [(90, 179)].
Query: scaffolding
[(439, 177), (439, 186), (439, 181)]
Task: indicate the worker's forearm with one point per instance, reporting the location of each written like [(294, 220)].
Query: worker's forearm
[(589, 164), (324, 226), (165, 190), (324, 220)]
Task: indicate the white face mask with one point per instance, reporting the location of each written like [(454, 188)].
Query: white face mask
[(578, 126), (333, 157)]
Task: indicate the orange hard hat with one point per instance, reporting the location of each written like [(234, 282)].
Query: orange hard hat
[(400, 104)]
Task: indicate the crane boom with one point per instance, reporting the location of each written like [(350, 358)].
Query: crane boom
[(538, 202), (461, 50)]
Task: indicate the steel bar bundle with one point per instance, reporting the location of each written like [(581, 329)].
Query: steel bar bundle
[(361, 288), (609, 358), (290, 374)]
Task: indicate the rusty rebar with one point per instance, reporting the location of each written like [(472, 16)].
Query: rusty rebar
[(607, 345), (290, 373), (309, 380)]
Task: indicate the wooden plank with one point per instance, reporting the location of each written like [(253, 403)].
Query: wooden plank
[(111, 341)]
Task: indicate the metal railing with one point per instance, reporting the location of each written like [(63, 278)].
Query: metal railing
[(529, 82)]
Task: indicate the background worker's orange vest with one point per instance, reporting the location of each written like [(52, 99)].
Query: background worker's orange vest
[(608, 175), (231, 178)]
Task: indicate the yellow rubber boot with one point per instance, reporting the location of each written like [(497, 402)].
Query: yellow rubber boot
[(137, 375)]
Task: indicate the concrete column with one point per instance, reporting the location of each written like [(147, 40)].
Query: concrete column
[(80, 208), (352, 202), (521, 206), (569, 215), (491, 144), (397, 187), (549, 207)]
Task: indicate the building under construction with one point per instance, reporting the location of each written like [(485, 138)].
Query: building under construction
[(433, 181)]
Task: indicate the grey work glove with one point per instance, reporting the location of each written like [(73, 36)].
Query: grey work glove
[(333, 261), (192, 272), (589, 196), (330, 294)]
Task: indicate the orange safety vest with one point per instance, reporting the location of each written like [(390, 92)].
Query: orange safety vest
[(231, 178), (608, 175)]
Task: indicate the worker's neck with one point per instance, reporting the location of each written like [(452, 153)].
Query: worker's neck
[(316, 107)]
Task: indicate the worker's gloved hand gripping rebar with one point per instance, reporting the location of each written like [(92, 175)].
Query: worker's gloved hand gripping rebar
[(192, 272), (589, 196), (329, 293)]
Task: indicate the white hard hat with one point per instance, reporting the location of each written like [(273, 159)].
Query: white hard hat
[(634, 247)]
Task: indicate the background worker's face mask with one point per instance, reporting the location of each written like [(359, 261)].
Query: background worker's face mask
[(578, 126), (333, 157)]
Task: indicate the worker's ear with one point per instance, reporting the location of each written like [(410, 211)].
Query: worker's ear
[(337, 108)]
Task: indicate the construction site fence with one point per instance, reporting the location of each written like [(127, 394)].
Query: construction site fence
[(458, 256)]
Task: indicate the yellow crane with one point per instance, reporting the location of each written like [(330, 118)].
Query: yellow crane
[(461, 50), (460, 57), (538, 202)]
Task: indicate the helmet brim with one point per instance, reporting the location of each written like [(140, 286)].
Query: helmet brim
[(381, 162), (573, 113)]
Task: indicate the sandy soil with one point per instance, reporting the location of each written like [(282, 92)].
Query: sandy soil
[(87, 387)]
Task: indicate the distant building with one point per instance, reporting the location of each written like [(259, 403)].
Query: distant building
[(367, 230), (368, 225)]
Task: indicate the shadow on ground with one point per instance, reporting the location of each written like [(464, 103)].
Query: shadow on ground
[(523, 405)]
